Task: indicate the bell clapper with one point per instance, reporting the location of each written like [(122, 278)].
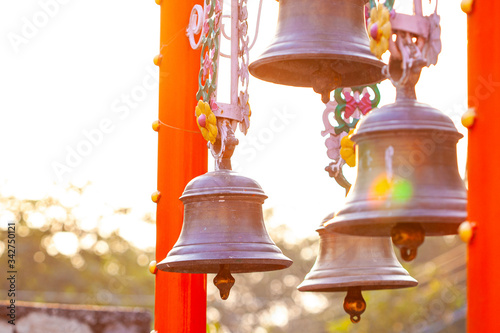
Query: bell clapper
[(224, 281), (408, 254), (407, 237), (325, 80), (354, 304)]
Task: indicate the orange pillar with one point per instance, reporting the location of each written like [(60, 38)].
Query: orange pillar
[(180, 299), (484, 167)]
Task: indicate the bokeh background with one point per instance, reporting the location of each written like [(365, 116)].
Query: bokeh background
[(78, 166)]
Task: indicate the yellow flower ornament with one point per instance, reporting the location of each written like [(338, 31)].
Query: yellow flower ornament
[(206, 120), (380, 30), (347, 149)]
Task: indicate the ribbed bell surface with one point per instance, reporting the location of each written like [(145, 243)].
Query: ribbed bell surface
[(321, 44), (408, 184), (352, 264), (223, 225), (346, 261)]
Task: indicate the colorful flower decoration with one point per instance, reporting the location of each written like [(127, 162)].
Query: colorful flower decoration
[(347, 150), (332, 144), (349, 106), (218, 12), (207, 77), (354, 102), (207, 122), (379, 29), (246, 111), (208, 67)]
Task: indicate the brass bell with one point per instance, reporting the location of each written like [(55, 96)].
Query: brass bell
[(352, 264), (223, 230), (321, 44), (408, 185)]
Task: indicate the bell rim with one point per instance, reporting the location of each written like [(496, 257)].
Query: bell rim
[(255, 68), (190, 257), (381, 271), (399, 283), (236, 265), (368, 217), (365, 228)]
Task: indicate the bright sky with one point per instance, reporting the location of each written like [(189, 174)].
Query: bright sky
[(79, 93)]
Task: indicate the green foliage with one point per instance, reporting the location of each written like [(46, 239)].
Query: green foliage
[(105, 269)]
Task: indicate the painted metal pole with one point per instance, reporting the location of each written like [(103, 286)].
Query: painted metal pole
[(484, 167), (180, 299)]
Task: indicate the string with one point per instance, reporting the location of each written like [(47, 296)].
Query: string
[(177, 128), (161, 49)]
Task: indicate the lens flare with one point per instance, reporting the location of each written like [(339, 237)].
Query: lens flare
[(400, 190)]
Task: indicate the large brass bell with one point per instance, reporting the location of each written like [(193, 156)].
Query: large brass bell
[(352, 264), (321, 44), (223, 230), (407, 184)]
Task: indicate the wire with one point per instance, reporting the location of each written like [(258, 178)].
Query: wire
[(177, 128)]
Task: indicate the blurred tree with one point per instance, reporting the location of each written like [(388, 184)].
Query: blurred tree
[(270, 302), (58, 261), (65, 256)]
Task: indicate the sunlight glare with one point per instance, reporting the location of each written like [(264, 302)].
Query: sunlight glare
[(6, 217), (36, 220), (313, 302), (66, 243)]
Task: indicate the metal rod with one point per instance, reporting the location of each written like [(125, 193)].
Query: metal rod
[(257, 24), (417, 7), (180, 299), (483, 289), (234, 51)]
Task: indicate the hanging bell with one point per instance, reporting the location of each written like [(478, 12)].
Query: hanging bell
[(321, 44), (408, 185), (352, 264), (223, 230)]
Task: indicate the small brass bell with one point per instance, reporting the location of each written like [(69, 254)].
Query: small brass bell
[(407, 185), (321, 44), (223, 230), (352, 264)]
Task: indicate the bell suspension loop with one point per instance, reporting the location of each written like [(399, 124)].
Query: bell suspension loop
[(223, 148)]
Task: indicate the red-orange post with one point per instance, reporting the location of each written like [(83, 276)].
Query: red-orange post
[(180, 299), (484, 167)]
